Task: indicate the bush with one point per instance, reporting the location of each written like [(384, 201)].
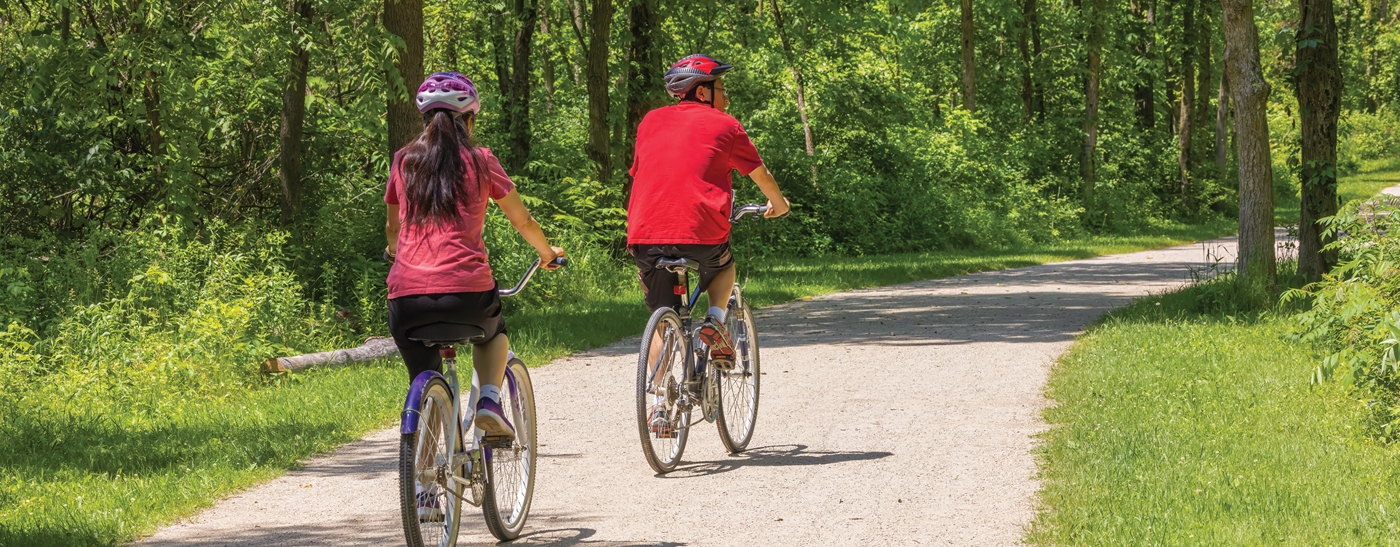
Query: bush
[(1353, 311), (1367, 136)]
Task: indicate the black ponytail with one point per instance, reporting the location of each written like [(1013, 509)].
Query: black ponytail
[(433, 171)]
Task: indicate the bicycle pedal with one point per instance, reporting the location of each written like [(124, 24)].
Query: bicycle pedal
[(498, 442)]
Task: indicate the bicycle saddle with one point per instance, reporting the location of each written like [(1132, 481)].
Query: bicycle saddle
[(677, 265), (436, 335)]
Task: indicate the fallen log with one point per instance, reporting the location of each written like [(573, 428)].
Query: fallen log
[(373, 348)]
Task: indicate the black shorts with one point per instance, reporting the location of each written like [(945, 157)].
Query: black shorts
[(659, 284), (480, 309)]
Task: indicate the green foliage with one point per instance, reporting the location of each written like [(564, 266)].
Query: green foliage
[(1352, 311)]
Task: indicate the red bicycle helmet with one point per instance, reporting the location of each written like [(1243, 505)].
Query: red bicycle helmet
[(691, 71)]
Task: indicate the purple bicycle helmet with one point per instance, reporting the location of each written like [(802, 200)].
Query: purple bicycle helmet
[(448, 91), (691, 71)]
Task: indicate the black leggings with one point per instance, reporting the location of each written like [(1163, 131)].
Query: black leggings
[(482, 309)]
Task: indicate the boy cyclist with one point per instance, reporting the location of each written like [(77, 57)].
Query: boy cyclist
[(682, 194)]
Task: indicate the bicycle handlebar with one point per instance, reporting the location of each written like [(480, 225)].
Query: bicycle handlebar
[(559, 261), (753, 208)]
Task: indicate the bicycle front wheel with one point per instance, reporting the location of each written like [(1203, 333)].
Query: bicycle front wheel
[(738, 409), (663, 413), (510, 472), (431, 513)]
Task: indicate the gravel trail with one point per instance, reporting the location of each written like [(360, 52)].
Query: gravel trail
[(902, 415)]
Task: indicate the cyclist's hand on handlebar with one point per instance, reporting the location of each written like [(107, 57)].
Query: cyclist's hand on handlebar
[(777, 210), (547, 260)]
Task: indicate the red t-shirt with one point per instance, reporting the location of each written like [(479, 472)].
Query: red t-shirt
[(447, 258), (681, 190)]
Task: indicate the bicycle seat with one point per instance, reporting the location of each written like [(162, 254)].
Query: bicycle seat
[(677, 265), (441, 335)]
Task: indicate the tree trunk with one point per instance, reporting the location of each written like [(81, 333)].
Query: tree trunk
[(404, 18), (968, 59), (1204, 73), (1319, 93), (1188, 99), (1143, 97), (293, 114), (547, 59), (599, 147), (1250, 94), (645, 66), (1222, 129), (1091, 98), (518, 103), (1038, 52), (801, 90), (1027, 63)]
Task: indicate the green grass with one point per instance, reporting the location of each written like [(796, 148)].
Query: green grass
[(1173, 427)]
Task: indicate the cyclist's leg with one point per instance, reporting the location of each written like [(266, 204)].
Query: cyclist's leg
[(406, 313), (489, 360), (721, 286), (658, 288)]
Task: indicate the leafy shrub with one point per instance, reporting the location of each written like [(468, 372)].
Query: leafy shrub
[(1355, 311), (1367, 136)]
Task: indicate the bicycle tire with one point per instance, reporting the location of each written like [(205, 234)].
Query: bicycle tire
[(739, 388), (434, 418), (510, 473), (675, 347)]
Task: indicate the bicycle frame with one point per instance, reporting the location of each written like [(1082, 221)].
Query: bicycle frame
[(409, 418)]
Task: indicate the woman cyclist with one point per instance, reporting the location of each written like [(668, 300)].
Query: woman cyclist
[(437, 198)]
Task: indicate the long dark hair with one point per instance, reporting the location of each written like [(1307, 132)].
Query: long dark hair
[(433, 171)]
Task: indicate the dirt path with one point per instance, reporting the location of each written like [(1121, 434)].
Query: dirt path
[(902, 415)]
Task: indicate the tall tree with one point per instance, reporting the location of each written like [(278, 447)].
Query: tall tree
[(514, 76), (596, 46), (643, 71), (1091, 97), (1250, 94), (1144, 97), (1204, 75), (801, 90), (1222, 128), (293, 114), (968, 58), (404, 19), (547, 58), (1319, 93), (1028, 91), (1188, 98)]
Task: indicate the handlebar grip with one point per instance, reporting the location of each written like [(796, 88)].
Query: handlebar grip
[(388, 258), (560, 261)]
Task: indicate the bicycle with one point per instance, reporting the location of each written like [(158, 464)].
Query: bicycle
[(681, 373), (496, 474)]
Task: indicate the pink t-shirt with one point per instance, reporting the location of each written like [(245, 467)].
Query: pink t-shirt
[(447, 258)]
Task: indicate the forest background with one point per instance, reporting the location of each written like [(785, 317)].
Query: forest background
[(194, 186)]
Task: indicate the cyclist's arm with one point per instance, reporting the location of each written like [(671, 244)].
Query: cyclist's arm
[(777, 204), (520, 218), (391, 229)]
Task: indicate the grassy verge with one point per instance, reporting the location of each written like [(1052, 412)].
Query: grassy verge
[(1174, 427)]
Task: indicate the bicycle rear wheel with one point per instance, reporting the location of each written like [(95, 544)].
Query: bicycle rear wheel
[(738, 409), (431, 513), (510, 472), (665, 377)]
